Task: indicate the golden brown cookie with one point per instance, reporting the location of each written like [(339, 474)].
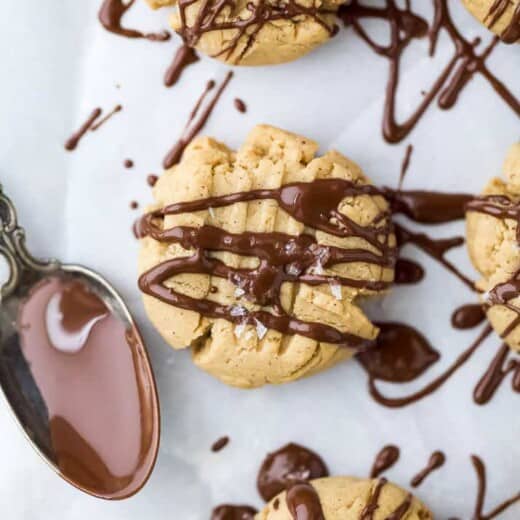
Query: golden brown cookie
[(493, 238), (259, 32), (265, 290), (501, 16), (346, 498)]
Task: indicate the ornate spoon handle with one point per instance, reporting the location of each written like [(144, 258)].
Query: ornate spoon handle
[(14, 250)]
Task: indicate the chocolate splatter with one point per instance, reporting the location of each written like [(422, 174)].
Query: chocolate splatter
[(495, 374), (408, 272), (406, 26), (128, 163), (152, 179), (437, 459), (184, 56), (220, 444), (134, 204), (103, 120), (111, 14), (233, 512), (468, 316), (291, 463), (385, 459), (240, 105), (194, 126), (73, 141)]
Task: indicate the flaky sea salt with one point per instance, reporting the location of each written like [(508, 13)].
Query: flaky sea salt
[(239, 292), (238, 310), (211, 212), (261, 329), (293, 269), (239, 329), (335, 289)]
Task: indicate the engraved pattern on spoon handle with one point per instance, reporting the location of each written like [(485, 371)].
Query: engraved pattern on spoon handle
[(13, 248)]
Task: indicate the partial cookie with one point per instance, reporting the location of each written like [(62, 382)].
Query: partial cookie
[(259, 32), (257, 259), (493, 237), (346, 498), (501, 16)]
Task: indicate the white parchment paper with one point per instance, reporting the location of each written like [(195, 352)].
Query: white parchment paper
[(57, 64)]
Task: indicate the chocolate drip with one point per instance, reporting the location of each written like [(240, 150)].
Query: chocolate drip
[(428, 207), (401, 354), (385, 459), (468, 316), (406, 26), (436, 248), (431, 387), (215, 15), (408, 272), (184, 56), (303, 502), (495, 374), (480, 469), (220, 444), (111, 14), (511, 32), (404, 166), (240, 105), (437, 460), (194, 126), (232, 512), (73, 141), (291, 463), (103, 120), (152, 179), (283, 258)]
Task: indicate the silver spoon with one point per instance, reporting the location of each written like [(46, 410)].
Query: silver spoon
[(90, 418)]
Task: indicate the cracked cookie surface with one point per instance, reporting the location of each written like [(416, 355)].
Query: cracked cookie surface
[(241, 349), (493, 239), (261, 32), (346, 498)]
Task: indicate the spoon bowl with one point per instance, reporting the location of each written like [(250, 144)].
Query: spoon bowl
[(74, 370)]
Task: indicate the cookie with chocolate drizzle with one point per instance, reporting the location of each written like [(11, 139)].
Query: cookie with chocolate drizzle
[(253, 32), (493, 237), (345, 498), (500, 16), (257, 259)]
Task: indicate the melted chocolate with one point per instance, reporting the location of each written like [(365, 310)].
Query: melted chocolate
[(103, 435), (406, 26), (232, 512), (436, 461), (408, 272), (215, 15), (134, 204), (152, 179), (240, 105), (497, 371), (398, 402), (468, 316), (220, 444), (184, 56), (283, 258), (405, 165), (401, 354), (128, 163), (481, 494), (372, 506), (194, 126), (303, 502), (385, 459), (103, 120), (291, 463), (73, 141), (511, 33), (111, 14)]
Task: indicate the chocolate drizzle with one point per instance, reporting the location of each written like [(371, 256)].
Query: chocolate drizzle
[(437, 460), (468, 316), (406, 26), (481, 494), (152, 179), (218, 15), (376, 369), (103, 120), (111, 14), (233, 512), (497, 371), (372, 506), (240, 105), (385, 459), (283, 258), (73, 141), (288, 465), (184, 56), (303, 502), (194, 126), (408, 272), (511, 33), (220, 444)]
